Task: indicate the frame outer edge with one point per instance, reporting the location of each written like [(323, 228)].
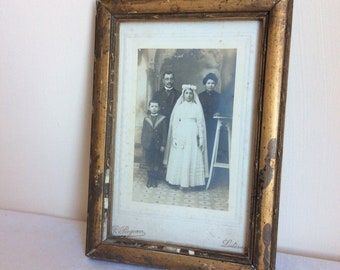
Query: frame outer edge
[(271, 131), (98, 130), (163, 260), (272, 134), (178, 6)]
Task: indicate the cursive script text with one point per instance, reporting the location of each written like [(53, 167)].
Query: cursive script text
[(124, 231), (229, 243)]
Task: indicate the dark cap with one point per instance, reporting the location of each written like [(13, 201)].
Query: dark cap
[(210, 76)]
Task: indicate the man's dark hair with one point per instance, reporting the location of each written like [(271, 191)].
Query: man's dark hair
[(168, 72)]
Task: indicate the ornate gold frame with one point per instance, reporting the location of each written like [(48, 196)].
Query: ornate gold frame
[(276, 16)]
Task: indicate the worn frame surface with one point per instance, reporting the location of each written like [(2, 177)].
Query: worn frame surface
[(276, 16)]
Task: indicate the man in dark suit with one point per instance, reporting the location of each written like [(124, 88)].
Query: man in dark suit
[(167, 95), (166, 98)]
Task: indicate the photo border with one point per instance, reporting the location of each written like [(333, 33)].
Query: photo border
[(275, 17)]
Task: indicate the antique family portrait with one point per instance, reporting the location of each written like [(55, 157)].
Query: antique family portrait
[(187, 132), (188, 96), (183, 141)]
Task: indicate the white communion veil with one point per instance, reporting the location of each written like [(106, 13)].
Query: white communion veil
[(181, 100)]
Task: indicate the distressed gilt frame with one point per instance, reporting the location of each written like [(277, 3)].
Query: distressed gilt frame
[(275, 16)]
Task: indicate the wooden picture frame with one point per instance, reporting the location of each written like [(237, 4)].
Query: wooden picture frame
[(247, 44)]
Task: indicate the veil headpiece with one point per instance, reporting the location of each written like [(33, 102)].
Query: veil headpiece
[(191, 87)]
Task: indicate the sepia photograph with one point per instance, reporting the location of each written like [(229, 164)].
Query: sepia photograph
[(182, 116), (184, 135)]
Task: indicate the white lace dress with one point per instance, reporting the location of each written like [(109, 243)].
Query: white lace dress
[(187, 163)]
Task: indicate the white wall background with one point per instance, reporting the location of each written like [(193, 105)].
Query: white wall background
[(46, 65)]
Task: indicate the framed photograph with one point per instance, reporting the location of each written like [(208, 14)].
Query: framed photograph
[(187, 132)]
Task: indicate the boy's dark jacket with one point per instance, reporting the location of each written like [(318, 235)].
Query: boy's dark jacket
[(153, 137)]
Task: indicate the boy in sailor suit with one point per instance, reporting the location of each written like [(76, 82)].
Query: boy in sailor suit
[(154, 135)]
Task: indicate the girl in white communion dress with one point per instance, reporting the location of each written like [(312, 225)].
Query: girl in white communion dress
[(186, 151)]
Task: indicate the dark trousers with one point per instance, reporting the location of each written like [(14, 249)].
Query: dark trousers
[(153, 162)]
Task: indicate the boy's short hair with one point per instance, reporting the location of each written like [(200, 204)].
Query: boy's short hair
[(153, 101)]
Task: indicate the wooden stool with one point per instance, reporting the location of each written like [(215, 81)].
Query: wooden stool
[(221, 120)]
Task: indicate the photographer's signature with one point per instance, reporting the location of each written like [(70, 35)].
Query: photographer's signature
[(124, 231), (229, 243)]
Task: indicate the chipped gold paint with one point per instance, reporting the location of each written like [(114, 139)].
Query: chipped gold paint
[(95, 203), (272, 130)]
